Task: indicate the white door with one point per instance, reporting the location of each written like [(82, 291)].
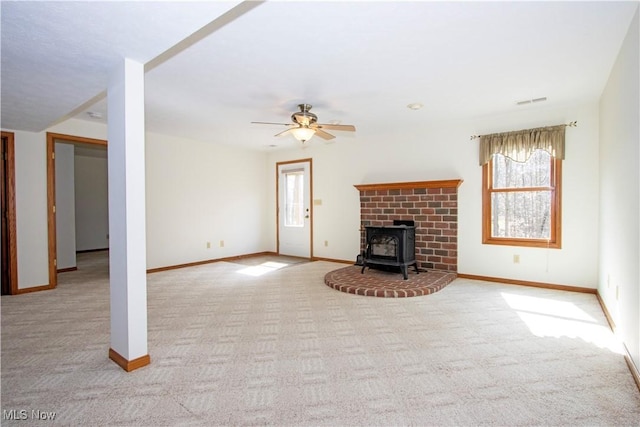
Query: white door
[(294, 209)]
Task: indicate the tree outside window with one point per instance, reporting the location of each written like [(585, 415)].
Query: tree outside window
[(521, 200)]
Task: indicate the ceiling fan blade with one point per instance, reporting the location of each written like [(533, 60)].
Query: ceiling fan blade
[(284, 132), (348, 128), (271, 123), (324, 135)]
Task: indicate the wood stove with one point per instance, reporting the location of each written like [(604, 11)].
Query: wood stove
[(391, 246)]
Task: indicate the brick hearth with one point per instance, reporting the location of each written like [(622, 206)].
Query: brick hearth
[(384, 284), (432, 205)]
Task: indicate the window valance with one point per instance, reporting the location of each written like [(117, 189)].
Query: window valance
[(519, 145)]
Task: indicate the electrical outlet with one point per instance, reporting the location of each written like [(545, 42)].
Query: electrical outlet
[(222, 243), (326, 243), (516, 259), (208, 245)]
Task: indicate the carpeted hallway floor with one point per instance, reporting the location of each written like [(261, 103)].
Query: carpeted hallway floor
[(234, 344)]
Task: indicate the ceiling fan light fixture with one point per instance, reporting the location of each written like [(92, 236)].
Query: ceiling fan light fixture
[(303, 134), (305, 125)]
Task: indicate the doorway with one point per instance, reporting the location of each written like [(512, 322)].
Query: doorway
[(294, 212), (8, 250), (52, 138)]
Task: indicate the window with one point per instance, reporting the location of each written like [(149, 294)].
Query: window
[(294, 198), (521, 200)]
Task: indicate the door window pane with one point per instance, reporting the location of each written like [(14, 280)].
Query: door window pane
[(294, 199)]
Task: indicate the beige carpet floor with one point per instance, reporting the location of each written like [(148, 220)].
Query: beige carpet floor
[(234, 344)]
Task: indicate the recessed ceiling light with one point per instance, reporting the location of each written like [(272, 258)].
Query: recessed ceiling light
[(94, 114), (415, 106)]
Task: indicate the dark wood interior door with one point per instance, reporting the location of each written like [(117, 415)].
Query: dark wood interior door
[(6, 285)]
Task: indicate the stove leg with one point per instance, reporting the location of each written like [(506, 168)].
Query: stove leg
[(404, 272)]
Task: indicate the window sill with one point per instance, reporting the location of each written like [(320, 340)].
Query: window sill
[(532, 243)]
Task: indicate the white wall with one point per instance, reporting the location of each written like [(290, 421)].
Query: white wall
[(31, 198), (196, 193), (82, 128), (575, 264), (199, 192), (426, 152), (92, 202), (65, 206), (31, 209), (619, 281)]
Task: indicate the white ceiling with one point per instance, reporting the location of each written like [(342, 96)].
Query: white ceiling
[(356, 62)]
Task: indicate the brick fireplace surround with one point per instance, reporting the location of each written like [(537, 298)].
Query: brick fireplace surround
[(432, 205)]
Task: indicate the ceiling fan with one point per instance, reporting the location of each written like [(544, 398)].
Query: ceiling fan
[(305, 125)]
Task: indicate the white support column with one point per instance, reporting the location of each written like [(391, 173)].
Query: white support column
[(127, 233)]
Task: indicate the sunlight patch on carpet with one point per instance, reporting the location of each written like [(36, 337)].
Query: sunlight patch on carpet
[(546, 317), (264, 268)]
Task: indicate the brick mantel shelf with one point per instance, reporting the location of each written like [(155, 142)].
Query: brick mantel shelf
[(432, 205)]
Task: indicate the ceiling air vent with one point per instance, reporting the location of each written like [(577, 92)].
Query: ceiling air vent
[(531, 101)]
